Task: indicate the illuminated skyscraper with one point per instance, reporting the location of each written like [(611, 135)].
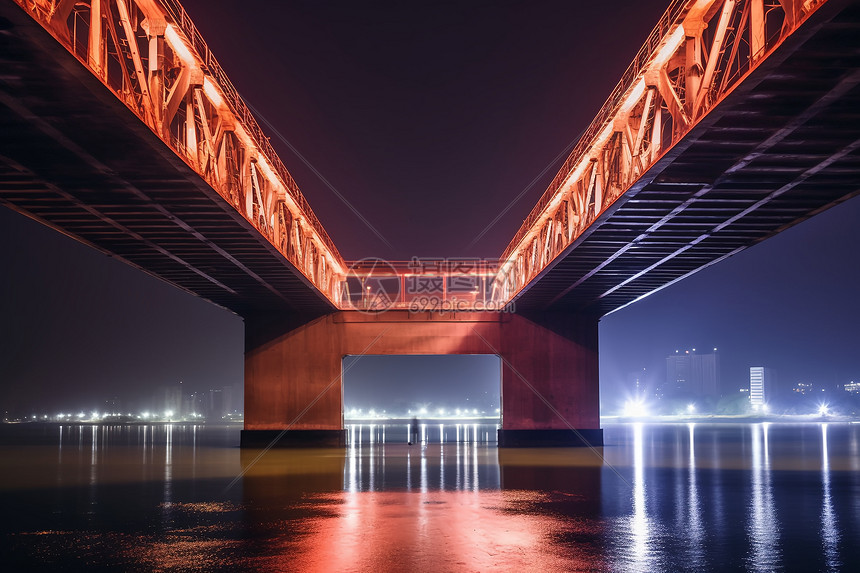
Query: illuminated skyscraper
[(761, 382)]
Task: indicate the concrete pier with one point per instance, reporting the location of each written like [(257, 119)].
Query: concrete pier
[(549, 377)]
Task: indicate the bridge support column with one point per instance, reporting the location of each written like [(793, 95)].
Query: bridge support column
[(550, 391), (293, 381), (293, 390)]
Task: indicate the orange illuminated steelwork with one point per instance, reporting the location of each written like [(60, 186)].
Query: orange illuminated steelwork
[(696, 55), (151, 56), (153, 59)]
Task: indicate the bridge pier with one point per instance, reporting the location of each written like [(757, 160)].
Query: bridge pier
[(550, 394), (549, 378)]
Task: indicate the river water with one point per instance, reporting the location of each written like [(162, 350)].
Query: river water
[(657, 497)]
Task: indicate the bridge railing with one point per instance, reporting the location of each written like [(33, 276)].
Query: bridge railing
[(240, 109), (605, 113), (698, 52), (152, 57)]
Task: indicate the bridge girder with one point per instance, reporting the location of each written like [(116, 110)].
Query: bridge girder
[(149, 54), (699, 54)]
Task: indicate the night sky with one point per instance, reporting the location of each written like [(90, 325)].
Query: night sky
[(430, 118)]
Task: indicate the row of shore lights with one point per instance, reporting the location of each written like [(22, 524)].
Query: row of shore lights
[(372, 413), (166, 415)]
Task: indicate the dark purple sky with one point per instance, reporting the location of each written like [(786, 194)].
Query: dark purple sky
[(430, 118)]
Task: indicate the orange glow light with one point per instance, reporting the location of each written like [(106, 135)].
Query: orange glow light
[(177, 44), (212, 93)]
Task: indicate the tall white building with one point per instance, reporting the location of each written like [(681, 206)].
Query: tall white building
[(761, 380)]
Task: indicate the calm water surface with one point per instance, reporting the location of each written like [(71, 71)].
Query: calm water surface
[(657, 497)]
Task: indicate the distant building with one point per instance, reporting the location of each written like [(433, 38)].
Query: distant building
[(233, 399), (227, 400), (761, 385), (691, 372), (222, 402), (170, 400), (238, 398), (192, 404)]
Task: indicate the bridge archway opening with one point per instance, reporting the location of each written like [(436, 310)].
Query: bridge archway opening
[(455, 397)]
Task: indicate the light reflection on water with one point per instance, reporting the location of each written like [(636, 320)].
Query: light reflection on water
[(455, 457), (829, 526), (640, 528), (682, 497), (359, 435), (696, 528), (763, 526)]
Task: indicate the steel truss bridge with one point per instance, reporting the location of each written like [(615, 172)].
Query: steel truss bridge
[(735, 120)]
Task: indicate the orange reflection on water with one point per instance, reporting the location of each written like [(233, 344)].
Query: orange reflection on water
[(431, 531)]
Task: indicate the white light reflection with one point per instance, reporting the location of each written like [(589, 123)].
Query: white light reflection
[(475, 463), (467, 469), (352, 480), (366, 449), (829, 527), (763, 526), (60, 456), (94, 447), (360, 465), (371, 457), (423, 471), (442, 467), (695, 530), (167, 500), (457, 473), (93, 467), (143, 446), (409, 470), (640, 526)]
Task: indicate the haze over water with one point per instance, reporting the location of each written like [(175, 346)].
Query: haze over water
[(657, 497)]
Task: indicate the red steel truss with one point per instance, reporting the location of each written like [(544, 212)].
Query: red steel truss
[(151, 56), (697, 54)]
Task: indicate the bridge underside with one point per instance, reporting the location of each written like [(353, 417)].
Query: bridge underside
[(783, 146), (106, 180)]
